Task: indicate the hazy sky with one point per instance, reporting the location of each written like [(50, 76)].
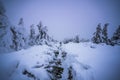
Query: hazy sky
[(65, 18)]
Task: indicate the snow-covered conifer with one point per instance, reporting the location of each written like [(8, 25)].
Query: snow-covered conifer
[(5, 33), (76, 39), (105, 34), (97, 35), (22, 34), (21, 22), (32, 36), (15, 38), (116, 36), (44, 31)]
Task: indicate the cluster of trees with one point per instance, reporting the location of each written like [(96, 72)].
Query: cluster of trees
[(101, 35), (76, 39), (20, 40), (16, 37), (5, 34), (42, 34), (36, 39)]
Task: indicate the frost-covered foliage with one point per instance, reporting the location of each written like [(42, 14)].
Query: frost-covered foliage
[(32, 35), (101, 36), (11, 38), (97, 35), (43, 37), (42, 33), (19, 37), (22, 35), (116, 36), (105, 34), (5, 33), (76, 39), (16, 38)]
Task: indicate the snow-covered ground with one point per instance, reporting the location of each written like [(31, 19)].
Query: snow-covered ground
[(87, 61), (104, 60)]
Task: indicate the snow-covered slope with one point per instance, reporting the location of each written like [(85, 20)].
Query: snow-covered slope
[(103, 59), (72, 61)]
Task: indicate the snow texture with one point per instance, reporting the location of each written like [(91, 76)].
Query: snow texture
[(74, 61)]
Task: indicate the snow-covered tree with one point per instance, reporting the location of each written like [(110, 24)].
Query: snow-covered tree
[(97, 35), (65, 41), (39, 36), (70, 74), (42, 37), (105, 34), (21, 22), (15, 38), (21, 32), (76, 39), (44, 31), (40, 29), (5, 33), (54, 67), (116, 36), (32, 36), (3, 17), (40, 25)]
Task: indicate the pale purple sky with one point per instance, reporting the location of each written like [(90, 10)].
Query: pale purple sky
[(65, 18)]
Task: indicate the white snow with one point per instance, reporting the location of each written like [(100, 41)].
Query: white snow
[(89, 62), (103, 59)]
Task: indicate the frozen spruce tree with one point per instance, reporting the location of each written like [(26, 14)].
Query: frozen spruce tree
[(15, 39), (21, 22), (76, 39), (40, 29), (32, 36), (116, 36), (54, 68), (97, 35), (105, 34), (70, 74), (39, 36), (42, 36), (44, 31), (5, 33), (21, 32)]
